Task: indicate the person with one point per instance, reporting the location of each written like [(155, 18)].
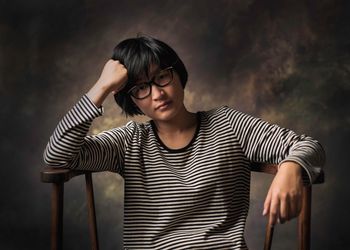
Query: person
[(186, 175)]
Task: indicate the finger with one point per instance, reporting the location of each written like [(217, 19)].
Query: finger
[(267, 203), (284, 209), (274, 209), (297, 206), (292, 210), (294, 207)]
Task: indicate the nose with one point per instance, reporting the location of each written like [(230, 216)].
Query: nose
[(157, 92)]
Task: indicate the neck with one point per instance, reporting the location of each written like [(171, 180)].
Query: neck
[(184, 121)]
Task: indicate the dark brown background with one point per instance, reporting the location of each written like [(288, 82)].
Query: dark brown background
[(285, 61)]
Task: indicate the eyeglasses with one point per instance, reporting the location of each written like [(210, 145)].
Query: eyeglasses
[(144, 89)]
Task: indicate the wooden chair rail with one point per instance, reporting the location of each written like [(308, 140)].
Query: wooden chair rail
[(58, 176)]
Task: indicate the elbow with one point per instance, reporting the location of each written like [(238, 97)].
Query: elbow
[(52, 159)]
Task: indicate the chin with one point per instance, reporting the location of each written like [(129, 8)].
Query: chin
[(165, 116)]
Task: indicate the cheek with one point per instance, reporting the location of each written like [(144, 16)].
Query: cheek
[(178, 86), (179, 90), (142, 105)]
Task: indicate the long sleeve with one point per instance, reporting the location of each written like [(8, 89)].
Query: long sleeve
[(70, 147), (269, 143)]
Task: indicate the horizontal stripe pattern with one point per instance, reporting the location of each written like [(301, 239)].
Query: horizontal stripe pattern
[(193, 198)]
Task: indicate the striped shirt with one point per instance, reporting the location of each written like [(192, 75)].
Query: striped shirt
[(196, 197)]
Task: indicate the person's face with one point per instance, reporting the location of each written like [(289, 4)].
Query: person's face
[(163, 103)]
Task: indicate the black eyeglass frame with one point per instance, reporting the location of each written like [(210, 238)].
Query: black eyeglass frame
[(171, 68)]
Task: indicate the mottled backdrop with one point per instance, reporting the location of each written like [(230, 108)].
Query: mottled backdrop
[(285, 61)]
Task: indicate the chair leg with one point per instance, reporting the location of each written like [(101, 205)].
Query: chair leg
[(304, 220), (57, 216), (91, 212), (268, 235)]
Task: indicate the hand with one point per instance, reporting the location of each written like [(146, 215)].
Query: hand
[(284, 199), (113, 78)]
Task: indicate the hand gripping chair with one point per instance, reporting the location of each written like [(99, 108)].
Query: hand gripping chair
[(57, 177)]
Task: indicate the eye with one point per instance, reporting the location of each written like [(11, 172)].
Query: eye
[(163, 77), (142, 86)]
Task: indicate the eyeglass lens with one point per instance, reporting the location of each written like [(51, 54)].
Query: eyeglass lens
[(142, 90)]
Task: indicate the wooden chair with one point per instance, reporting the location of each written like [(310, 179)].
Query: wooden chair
[(59, 176)]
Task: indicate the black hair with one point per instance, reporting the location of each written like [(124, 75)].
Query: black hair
[(137, 55)]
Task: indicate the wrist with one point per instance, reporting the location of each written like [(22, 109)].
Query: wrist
[(98, 94), (291, 166)]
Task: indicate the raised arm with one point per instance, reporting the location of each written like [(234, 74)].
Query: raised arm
[(70, 147), (113, 78)]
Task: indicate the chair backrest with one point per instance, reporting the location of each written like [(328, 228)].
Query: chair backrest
[(58, 177)]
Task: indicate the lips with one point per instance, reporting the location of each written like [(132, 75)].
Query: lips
[(163, 105)]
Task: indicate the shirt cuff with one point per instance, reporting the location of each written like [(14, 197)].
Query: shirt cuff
[(89, 107)]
